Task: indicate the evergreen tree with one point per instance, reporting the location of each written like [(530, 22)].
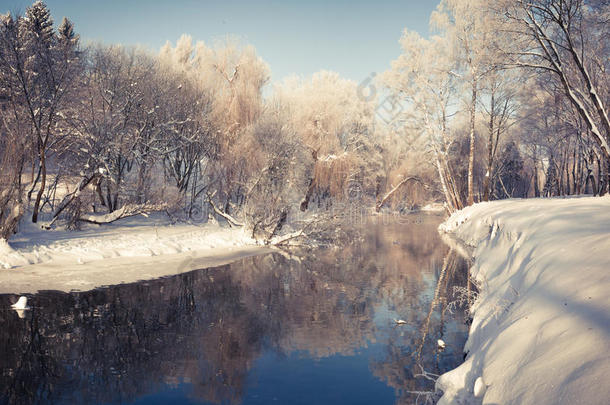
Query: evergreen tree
[(37, 24), (66, 31), (551, 185), (510, 181)]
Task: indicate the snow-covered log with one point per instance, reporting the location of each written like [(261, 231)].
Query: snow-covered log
[(129, 210), (70, 197)]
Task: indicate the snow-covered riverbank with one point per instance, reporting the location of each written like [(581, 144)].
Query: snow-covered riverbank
[(541, 327), (129, 250)]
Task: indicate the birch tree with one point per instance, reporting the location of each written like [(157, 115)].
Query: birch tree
[(467, 26), (502, 89), (423, 77)]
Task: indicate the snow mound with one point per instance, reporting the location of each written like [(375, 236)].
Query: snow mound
[(131, 239), (541, 325), (9, 257)]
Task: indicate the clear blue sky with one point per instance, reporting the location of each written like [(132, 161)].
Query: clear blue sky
[(353, 38)]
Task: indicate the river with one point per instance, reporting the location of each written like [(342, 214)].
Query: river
[(305, 327)]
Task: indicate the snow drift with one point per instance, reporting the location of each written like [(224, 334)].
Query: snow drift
[(129, 250), (541, 327), (134, 237)]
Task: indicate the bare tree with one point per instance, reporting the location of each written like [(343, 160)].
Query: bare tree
[(12, 158), (567, 39), (502, 89), (43, 65)]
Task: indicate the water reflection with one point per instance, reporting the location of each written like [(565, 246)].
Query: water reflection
[(312, 328)]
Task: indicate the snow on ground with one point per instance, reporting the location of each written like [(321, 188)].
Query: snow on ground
[(433, 207), (125, 251), (541, 327)]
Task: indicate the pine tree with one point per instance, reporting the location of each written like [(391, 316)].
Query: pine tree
[(38, 23), (551, 185), (66, 31), (510, 181)]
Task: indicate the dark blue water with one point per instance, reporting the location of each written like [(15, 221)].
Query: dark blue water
[(313, 327)]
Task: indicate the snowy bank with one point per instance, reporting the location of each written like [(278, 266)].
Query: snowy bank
[(541, 327), (126, 251)]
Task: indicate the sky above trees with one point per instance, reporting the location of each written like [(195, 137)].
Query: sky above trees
[(352, 38)]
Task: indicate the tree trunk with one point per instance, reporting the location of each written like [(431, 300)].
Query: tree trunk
[(574, 180), (603, 177), (560, 188), (98, 189), (450, 202), (487, 179), (43, 184), (536, 186), (599, 177), (608, 174), (141, 185), (472, 136), (34, 180), (312, 182)]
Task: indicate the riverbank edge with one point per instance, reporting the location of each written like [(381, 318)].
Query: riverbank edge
[(513, 323), (131, 250), (114, 271)]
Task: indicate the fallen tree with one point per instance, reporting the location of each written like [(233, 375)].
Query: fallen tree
[(390, 193), (126, 211), (230, 220), (71, 197)]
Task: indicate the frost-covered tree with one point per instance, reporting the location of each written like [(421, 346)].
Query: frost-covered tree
[(234, 76), (470, 30), (13, 155), (567, 39), (336, 127), (278, 176), (502, 92), (40, 66), (551, 185), (423, 78), (107, 126)]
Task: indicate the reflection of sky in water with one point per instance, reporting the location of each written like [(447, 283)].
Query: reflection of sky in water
[(260, 331)]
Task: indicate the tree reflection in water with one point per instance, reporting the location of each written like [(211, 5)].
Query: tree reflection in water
[(206, 329)]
